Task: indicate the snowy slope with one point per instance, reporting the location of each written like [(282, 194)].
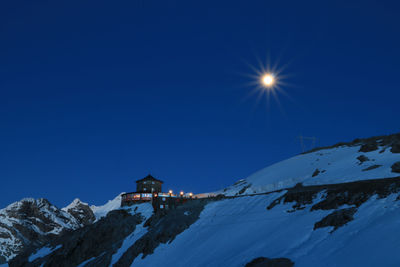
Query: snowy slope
[(101, 211), (232, 232), (329, 166)]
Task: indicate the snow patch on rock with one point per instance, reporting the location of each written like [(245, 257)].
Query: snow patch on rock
[(146, 210), (43, 252)]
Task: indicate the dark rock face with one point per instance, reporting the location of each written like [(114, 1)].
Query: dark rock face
[(370, 144), (163, 227), (337, 218), (87, 242), (2, 260), (368, 147), (396, 167), (316, 172), (395, 148), (371, 167), (267, 262), (240, 182), (362, 159), (241, 191)]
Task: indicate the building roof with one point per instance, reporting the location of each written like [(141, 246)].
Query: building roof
[(149, 178)]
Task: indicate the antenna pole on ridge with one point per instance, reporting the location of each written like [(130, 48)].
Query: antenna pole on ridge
[(313, 139)]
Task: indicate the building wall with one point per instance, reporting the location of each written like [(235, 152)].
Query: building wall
[(148, 186)]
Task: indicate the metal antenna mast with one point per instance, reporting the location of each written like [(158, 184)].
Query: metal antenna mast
[(303, 146)]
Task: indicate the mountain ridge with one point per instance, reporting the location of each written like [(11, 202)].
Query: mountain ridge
[(35, 222), (332, 192), (362, 159)]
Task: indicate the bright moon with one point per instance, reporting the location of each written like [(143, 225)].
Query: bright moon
[(268, 80)]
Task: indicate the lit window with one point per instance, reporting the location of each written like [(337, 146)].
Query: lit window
[(145, 189), (144, 182), (152, 182)]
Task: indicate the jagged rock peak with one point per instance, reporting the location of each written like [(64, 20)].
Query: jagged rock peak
[(80, 211), (76, 202)]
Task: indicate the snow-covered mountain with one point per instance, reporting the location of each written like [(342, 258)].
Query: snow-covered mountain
[(334, 206), (35, 222), (362, 159)]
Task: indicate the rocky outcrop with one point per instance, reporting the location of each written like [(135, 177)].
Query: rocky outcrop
[(368, 147), (316, 172), (370, 144), (336, 219), (267, 262), (372, 167), (362, 159), (395, 148), (244, 188), (81, 212), (336, 195), (396, 167)]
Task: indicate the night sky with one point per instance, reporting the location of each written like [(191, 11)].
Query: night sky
[(97, 94)]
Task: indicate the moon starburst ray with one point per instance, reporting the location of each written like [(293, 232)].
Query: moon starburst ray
[(268, 80)]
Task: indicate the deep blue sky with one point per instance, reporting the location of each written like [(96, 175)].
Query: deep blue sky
[(96, 94)]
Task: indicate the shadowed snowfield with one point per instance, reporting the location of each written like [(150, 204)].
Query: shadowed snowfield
[(235, 231)]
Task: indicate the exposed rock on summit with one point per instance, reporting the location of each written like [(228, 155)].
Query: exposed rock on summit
[(81, 211)]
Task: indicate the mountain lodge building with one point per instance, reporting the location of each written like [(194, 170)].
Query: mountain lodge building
[(148, 184), (149, 189)]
